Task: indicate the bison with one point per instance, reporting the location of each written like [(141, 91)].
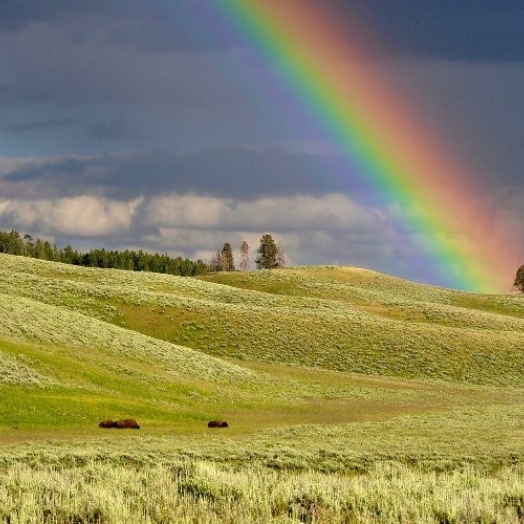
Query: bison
[(120, 424), (127, 423), (217, 424), (107, 424)]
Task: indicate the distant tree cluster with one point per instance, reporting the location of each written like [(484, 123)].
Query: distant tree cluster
[(269, 256), (223, 260), (13, 244)]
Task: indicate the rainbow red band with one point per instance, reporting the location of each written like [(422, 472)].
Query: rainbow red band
[(466, 244)]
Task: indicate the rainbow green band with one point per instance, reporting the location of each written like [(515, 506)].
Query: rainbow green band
[(464, 247)]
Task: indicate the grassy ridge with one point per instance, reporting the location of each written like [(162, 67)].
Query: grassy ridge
[(351, 397), (104, 343), (352, 320), (328, 317)]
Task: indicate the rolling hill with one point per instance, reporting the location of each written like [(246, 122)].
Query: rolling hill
[(299, 345)]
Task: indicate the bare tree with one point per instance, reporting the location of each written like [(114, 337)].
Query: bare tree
[(281, 255), (215, 262), (244, 256)]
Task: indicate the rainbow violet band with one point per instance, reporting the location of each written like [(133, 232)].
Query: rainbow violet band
[(451, 223)]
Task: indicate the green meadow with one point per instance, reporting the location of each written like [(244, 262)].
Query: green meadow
[(351, 397)]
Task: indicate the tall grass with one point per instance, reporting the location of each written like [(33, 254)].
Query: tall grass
[(26, 319), (203, 492), (307, 442), (18, 370)]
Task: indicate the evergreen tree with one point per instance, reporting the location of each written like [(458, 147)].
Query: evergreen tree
[(11, 243), (226, 258), (244, 256), (39, 251), (519, 279), (17, 244), (267, 253), (70, 256), (29, 246)]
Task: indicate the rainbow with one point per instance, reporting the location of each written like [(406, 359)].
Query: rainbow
[(466, 243)]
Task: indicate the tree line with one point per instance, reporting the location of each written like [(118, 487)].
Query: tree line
[(269, 256), (13, 243)]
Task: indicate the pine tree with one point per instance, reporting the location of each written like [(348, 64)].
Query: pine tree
[(29, 245), (267, 253), (227, 258)]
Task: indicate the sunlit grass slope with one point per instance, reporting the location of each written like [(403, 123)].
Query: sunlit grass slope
[(351, 396), (335, 318), (69, 359)]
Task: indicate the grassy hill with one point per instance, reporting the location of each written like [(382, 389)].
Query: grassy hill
[(319, 371), (333, 318), (78, 345)]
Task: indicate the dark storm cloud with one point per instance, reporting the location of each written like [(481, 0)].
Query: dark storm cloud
[(41, 125), (15, 15), (228, 172), (112, 129), (151, 26), (118, 51), (450, 29), (43, 65), (464, 30)]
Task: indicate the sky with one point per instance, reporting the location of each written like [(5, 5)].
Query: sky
[(157, 125)]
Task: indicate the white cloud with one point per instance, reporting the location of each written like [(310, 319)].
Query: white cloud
[(325, 229), (176, 218), (313, 230), (332, 211), (81, 216)]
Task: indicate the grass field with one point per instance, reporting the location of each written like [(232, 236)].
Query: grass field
[(351, 396)]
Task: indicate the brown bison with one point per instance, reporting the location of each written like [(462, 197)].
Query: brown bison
[(127, 423), (217, 424), (107, 424), (120, 424)]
